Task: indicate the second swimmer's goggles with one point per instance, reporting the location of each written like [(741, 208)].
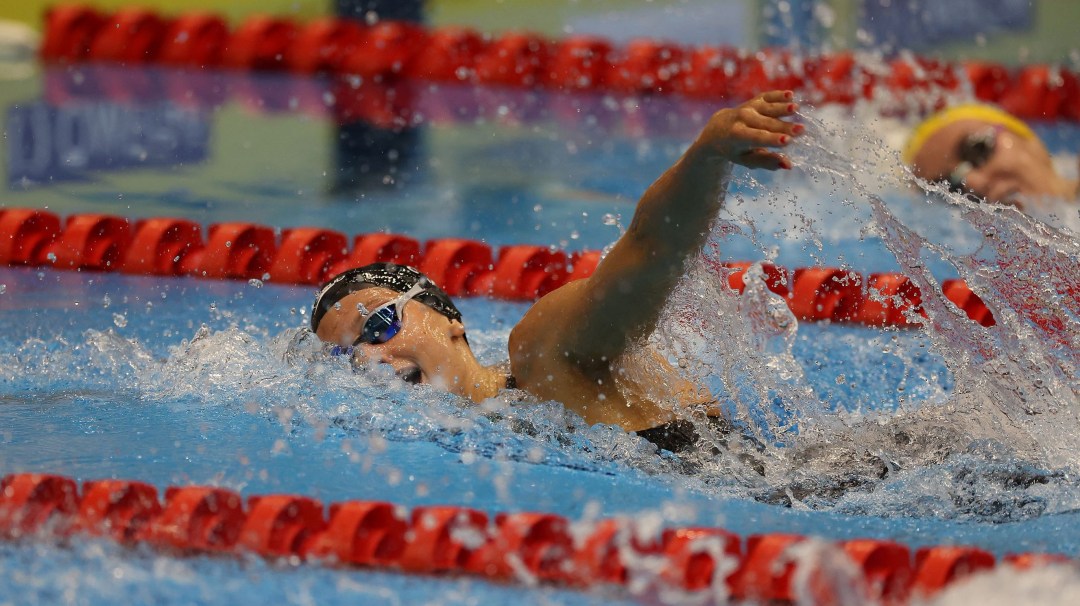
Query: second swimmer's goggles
[(384, 321), (974, 150)]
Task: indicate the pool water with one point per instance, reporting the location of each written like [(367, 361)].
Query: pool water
[(178, 381)]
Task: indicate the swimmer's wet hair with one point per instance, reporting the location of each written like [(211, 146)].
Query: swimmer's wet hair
[(399, 278)]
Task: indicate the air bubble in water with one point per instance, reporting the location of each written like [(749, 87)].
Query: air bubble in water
[(3, 288), (257, 283), (610, 219), (120, 320)]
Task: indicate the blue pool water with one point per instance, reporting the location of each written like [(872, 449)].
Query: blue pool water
[(185, 381)]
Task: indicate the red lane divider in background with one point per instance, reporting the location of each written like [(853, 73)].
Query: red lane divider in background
[(363, 533), (195, 40), (233, 250), (199, 519), (70, 32), (26, 232), (323, 46), (309, 255), (90, 241), (525, 547), (129, 36), (521, 59), (117, 508), (159, 246)]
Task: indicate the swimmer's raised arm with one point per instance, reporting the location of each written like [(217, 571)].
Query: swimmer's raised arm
[(590, 322)]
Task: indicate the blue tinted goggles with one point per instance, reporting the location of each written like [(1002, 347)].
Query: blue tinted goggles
[(383, 323)]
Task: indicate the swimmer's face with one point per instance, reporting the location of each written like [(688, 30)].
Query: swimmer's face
[(989, 161), (429, 348)]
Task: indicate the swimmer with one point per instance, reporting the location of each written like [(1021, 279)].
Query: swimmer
[(981, 150), (580, 344)]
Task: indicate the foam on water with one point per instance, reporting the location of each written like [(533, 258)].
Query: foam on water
[(1049, 585)]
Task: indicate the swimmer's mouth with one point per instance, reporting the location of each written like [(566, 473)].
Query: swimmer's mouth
[(410, 375)]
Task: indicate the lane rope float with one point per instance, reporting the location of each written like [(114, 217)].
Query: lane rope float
[(390, 50), (164, 246), (511, 547)]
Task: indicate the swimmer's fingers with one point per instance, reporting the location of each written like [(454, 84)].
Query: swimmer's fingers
[(776, 96), (763, 158), (759, 121), (777, 110), (775, 104), (747, 136)]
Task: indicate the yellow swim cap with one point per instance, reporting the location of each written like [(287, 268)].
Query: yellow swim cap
[(969, 111)]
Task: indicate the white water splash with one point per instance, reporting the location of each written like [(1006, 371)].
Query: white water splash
[(1014, 386)]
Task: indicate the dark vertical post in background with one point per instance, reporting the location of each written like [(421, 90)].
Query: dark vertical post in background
[(367, 156)]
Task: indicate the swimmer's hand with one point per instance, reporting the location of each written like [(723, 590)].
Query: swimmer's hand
[(744, 134)]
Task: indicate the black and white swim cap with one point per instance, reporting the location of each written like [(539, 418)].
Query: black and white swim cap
[(399, 278)]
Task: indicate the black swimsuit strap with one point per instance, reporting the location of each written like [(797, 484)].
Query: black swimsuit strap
[(674, 436), (679, 436), (504, 368)]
